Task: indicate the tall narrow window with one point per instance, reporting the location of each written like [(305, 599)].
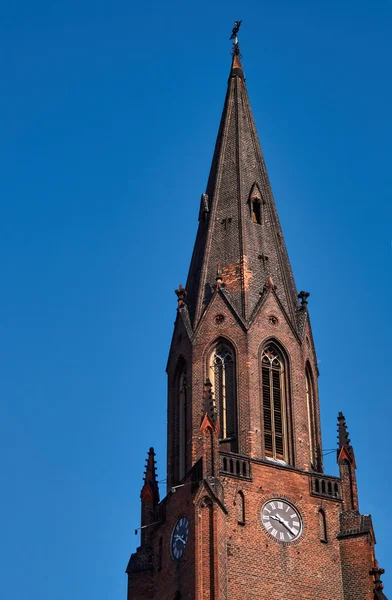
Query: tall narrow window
[(182, 423), (256, 211), (273, 384), (222, 368), (240, 502), (322, 526), (309, 405), (160, 553)]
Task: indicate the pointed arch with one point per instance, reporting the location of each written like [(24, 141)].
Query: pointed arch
[(222, 373), (255, 204), (275, 390)]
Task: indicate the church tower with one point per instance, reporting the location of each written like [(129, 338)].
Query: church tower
[(249, 512)]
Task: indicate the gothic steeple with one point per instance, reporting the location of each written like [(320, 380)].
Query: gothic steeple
[(238, 223), (244, 435)]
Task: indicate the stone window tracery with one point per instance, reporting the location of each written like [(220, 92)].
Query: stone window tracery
[(274, 402), (222, 374)]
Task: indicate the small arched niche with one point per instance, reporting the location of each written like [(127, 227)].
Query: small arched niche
[(322, 526), (240, 505)]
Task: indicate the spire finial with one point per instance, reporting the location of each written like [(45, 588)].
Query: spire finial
[(150, 490), (376, 572), (303, 296), (150, 475), (181, 294), (343, 439), (236, 49), (269, 285)]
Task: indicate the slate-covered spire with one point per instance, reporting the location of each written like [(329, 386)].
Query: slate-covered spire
[(238, 223)]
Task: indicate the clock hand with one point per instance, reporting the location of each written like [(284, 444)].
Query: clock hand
[(178, 537), (277, 518), (285, 523)]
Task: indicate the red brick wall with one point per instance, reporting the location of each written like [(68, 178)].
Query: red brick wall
[(260, 567), (227, 560), (173, 576), (357, 557), (248, 345)]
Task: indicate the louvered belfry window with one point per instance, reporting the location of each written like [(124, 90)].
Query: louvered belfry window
[(273, 385), (222, 367)]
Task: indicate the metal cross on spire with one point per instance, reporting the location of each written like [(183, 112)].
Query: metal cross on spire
[(236, 49)]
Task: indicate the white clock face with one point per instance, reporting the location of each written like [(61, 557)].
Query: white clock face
[(281, 520), (179, 538)]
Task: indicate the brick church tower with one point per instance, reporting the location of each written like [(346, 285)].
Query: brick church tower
[(249, 512)]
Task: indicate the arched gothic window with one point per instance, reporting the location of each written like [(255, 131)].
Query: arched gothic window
[(274, 402), (309, 405), (222, 374), (182, 438)]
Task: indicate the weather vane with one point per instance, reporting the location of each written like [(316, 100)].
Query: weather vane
[(236, 49)]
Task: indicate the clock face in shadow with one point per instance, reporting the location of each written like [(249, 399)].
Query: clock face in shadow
[(179, 538), (282, 520)]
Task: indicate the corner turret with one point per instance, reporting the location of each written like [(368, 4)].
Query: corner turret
[(149, 495)]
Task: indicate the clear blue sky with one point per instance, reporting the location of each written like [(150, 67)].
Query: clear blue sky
[(109, 113)]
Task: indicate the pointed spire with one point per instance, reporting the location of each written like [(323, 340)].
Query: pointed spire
[(150, 475), (344, 441), (239, 228), (150, 490), (347, 466), (236, 66)]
